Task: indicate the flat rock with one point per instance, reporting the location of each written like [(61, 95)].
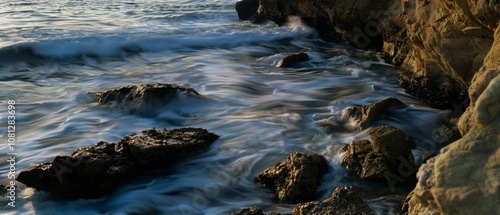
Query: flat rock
[(293, 59), (254, 211), (296, 179), (343, 201), (96, 170)]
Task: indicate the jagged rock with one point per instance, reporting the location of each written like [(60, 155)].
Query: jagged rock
[(465, 178), (96, 170), (385, 155), (293, 59), (144, 99), (343, 201), (296, 179), (367, 114), (248, 10), (254, 211)]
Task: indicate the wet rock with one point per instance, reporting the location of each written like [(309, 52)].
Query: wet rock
[(248, 10), (144, 98), (296, 179), (344, 200), (386, 155), (293, 59), (96, 170), (254, 211), (446, 134), (366, 115)]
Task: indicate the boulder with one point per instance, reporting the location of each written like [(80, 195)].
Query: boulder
[(367, 114), (465, 178), (296, 179), (343, 201), (249, 10), (254, 211), (293, 59), (143, 99), (387, 156), (96, 170)]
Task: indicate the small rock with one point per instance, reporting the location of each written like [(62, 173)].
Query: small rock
[(254, 211), (355, 155), (391, 142), (344, 200), (293, 59), (296, 179), (367, 114), (96, 170)]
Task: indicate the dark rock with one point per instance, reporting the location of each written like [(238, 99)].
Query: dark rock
[(389, 152), (95, 171), (143, 98), (293, 59), (366, 115), (446, 133), (247, 9), (254, 211), (343, 201), (296, 179)]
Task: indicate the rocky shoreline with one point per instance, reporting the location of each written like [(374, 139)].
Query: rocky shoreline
[(448, 53)]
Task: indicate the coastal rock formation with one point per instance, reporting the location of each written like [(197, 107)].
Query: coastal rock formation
[(296, 179), (465, 178), (344, 200), (143, 98), (254, 211), (293, 59), (96, 170), (388, 155), (367, 114)]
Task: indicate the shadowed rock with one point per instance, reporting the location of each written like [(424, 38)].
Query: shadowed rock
[(293, 59), (343, 201), (385, 156), (254, 211), (96, 170), (249, 10), (296, 179)]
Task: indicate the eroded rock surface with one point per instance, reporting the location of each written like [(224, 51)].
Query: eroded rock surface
[(344, 200), (387, 155), (294, 180), (96, 170), (367, 114), (254, 211)]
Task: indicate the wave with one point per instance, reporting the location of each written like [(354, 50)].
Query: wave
[(128, 42)]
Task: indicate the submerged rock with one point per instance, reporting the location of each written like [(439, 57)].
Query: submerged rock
[(367, 114), (96, 170), (293, 59), (254, 211), (387, 156), (344, 200), (296, 179)]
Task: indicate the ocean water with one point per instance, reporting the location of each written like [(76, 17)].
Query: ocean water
[(52, 53)]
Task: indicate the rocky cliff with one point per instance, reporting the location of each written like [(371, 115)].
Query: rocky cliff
[(449, 56)]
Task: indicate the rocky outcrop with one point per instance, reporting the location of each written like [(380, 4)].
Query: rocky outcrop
[(367, 114), (296, 179), (388, 156), (344, 200), (254, 211), (465, 178), (143, 99), (248, 10), (293, 59), (96, 170)]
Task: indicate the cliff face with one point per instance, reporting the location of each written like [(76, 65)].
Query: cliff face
[(439, 44), (449, 52)]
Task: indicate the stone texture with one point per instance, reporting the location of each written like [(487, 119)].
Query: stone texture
[(385, 156), (343, 201), (465, 177), (254, 211), (96, 170), (293, 59), (294, 180), (367, 114)]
